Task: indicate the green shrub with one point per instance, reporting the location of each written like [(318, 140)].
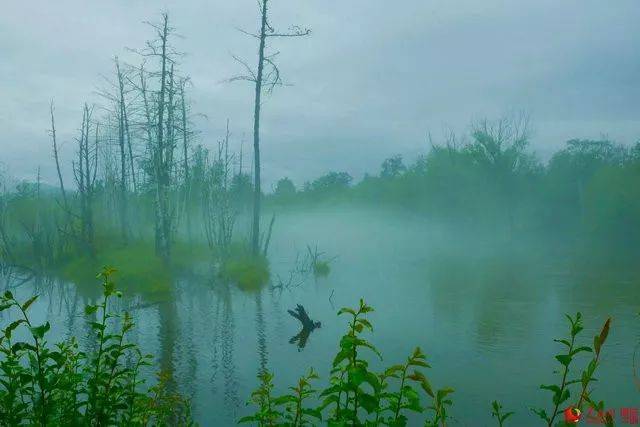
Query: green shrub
[(321, 268), (43, 384), (358, 396), (249, 272)]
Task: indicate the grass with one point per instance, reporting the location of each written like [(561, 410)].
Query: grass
[(249, 272), (321, 268), (140, 270)]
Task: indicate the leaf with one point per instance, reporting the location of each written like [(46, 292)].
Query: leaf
[(22, 346), (346, 310), (393, 369), (427, 387), (366, 324), (564, 359), (28, 303), (9, 329), (541, 413), (604, 333), (368, 402), (580, 349), (312, 412), (39, 331), (90, 309)]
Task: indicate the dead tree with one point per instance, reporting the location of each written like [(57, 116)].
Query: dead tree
[(185, 157), (122, 113), (219, 214), (160, 123), (85, 171), (55, 156), (266, 76)]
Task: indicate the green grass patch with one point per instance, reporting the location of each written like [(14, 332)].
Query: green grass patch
[(321, 268), (249, 272), (140, 270)]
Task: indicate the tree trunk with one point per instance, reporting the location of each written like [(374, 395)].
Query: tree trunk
[(255, 230)]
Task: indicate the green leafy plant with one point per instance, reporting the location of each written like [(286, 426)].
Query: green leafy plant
[(561, 392), (356, 395), (62, 385), (496, 412)]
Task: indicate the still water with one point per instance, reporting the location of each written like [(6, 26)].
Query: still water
[(486, 318)]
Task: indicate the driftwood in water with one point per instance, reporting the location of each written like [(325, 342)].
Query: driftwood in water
[(308, 326)]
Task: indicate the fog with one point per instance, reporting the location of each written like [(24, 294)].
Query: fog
[(353, 214)]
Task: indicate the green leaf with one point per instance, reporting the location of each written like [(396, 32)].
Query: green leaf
[(427, 387), (565, 342), (28, 303), (554, 388), (312, 412), (368, 402), (9, 329), (39, 331), (346, 310), (541, 413), (580, 349), (564, 359)]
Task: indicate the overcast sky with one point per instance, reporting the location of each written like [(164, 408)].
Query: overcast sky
[(374, 77)]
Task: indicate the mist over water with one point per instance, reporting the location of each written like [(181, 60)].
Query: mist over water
[(484, 314), (202, 206)]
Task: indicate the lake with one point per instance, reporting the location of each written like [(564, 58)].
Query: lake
[(484, 313)]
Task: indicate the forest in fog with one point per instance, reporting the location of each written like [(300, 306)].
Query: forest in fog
[(183, 261)]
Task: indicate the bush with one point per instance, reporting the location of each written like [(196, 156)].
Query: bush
[(358, 396), (250, 272), (43, 384)]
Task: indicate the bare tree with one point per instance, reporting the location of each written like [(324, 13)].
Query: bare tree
[(160, 123), (85, 171), (265, 77), (55, 155), (219, 214), (122, 134), (185, 156)]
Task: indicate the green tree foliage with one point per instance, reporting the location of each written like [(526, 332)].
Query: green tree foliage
[(585, 200), (285, 189), (392, 167), (333, 181)]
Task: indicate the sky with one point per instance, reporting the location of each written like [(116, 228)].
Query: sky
[(373, 79)]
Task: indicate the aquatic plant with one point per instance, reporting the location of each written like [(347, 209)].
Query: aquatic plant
[(61, 384)]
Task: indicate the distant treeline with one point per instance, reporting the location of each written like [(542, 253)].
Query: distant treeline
[(587, 194)]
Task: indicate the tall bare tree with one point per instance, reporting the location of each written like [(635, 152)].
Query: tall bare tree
[(85, 171), (121, 111), (55, 155), (265, 77), (160, 122)]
